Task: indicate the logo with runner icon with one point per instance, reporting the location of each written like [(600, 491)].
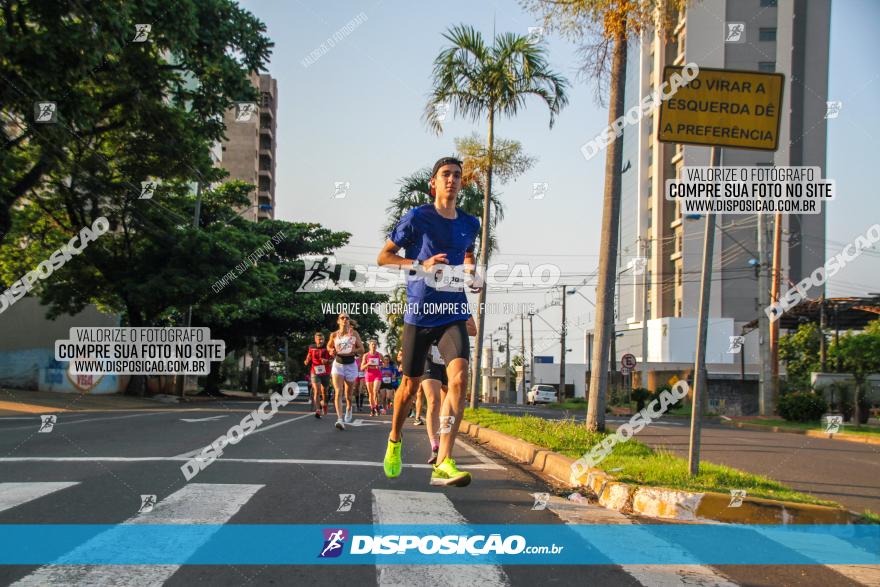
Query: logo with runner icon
[(334, 541)]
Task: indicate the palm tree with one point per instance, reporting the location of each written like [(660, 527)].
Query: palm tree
[(476, 81), (611, 23)]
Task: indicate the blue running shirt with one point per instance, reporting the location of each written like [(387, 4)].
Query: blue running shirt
[(423, 233)]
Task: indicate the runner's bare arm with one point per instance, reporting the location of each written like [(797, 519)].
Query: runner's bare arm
[(471, 326), (388, 256), (359, 344), (330, 347), (471, 269), (308, 356)]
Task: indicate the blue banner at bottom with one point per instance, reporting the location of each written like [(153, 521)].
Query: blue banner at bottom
[(241, 544)]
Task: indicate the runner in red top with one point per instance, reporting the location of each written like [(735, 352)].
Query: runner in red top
[(319, 373)]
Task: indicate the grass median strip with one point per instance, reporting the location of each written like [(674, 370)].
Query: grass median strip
[(638, 463), (846, 428)]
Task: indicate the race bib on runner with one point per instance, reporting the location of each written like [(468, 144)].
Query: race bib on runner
[(374, 361), (345, 347), (361, 374), (386, 380), (320, 370)]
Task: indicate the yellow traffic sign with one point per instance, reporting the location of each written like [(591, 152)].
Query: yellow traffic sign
[(724, 108)]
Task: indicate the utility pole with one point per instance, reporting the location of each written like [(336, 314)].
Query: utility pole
[(522, 351), (644, 377), (588, 350), (531, 350), (700, 372), (255, 367), (823, 347), (774, 296), (488, 388), (286, 361), (506, 357), (562, 349), (765, 390)]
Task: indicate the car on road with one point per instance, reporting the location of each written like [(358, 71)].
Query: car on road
[(304, 389), (541, 394)]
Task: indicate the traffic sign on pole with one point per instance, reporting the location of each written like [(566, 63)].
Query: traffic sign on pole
[(628, 361), (718, 108), (723, 108)]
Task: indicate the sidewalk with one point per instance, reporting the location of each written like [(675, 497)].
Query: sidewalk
[(19, 401)]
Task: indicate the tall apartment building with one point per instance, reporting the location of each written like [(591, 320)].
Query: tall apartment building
[(786, 36), (249, 151)]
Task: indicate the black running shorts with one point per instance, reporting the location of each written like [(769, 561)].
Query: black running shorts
[(451, 339), (435, 371)]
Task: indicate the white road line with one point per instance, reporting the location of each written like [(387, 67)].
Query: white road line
[(487, 462), (864, 574), (191, 453), (648, 575), (220, 460), (419, 507), (64, 421), (13, 494), (208, 419), (277, 424), (196, 503)]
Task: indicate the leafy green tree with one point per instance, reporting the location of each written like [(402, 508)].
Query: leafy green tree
[(129, 110), (603, 28), (800, 352), (479, 82), (859, 354)]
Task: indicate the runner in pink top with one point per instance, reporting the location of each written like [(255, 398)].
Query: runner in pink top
[(371, 363)]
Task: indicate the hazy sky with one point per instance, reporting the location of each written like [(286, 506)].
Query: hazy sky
[(354, 115)]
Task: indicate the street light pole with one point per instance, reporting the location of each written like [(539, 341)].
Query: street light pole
[(507, 357), (522, 350), (644, 381), (531, 350), (562, 349)]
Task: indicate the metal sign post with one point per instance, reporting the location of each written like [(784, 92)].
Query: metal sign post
[(718, 108)]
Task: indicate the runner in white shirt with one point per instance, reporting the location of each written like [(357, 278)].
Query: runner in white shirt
[(344, 345)]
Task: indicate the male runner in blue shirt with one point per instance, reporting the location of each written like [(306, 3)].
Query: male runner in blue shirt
[(433, 234)]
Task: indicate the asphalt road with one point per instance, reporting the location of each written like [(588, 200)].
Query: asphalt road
[(94, 466), (838, 470)]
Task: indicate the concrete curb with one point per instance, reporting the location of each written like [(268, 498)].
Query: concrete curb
[(812, 433), (656, 502)]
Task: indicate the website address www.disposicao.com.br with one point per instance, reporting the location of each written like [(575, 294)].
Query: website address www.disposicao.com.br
[(473, 545)]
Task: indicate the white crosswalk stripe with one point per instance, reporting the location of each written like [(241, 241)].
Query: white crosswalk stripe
[(419, 507), (648, 575), (196, 503), (15, 494), (863, 574)]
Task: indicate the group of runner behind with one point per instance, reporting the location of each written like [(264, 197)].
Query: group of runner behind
[(353, 375)]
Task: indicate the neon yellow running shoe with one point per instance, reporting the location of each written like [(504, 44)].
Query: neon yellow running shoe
[(448, 474), (392, 463)]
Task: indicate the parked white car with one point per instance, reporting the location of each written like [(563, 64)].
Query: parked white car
[(541, 394)]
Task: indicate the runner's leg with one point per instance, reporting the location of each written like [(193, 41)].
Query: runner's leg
[(338, 390), (419, 395), (455, 348), (431, 388), (453, 406)]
